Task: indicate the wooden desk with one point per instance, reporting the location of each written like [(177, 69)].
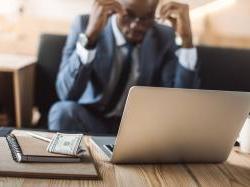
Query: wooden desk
[(234, 172), (22, 68)]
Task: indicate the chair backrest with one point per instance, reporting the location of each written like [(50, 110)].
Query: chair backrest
[(49, 58), (224, 68)]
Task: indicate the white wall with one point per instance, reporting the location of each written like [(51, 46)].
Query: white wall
[(233, 21), (229, 26), (57, 9)]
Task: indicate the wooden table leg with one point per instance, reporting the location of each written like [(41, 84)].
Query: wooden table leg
[(23, 93)]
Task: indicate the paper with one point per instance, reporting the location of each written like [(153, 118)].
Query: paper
[(68, 144)]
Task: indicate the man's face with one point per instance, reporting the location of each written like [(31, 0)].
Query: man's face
[(139, 17)]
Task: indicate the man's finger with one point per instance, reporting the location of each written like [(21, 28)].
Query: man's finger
[(111, 9), (114, 6), (103, 2), (168, 6), (170, 14), (173, 6), (173, 21), (111, 3), (166, 9), (107, 2)]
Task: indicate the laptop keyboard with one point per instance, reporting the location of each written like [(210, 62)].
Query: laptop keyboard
[(110, 147)]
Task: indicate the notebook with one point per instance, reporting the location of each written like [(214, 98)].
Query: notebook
[(85, 169), (28, 149)]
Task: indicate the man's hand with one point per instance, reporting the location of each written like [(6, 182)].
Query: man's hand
[(101, 11), (178, 15)]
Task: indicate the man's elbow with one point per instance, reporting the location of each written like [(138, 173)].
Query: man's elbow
[(61, 90)]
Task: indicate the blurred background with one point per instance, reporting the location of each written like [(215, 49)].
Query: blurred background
[(214, 22), (33, 32)]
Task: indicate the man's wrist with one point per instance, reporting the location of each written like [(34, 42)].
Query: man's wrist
[(91, 40), (86, 41), (187, 42), (86, 55)]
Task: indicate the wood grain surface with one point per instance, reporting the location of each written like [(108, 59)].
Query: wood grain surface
[(234, 172)]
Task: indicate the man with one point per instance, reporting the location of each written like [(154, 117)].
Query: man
[(117, 46)]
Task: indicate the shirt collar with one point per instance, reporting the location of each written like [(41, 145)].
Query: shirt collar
[(119, 37)]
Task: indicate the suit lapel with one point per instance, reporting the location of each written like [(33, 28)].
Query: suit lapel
[(108, 69), (148, 57), (105, 54)]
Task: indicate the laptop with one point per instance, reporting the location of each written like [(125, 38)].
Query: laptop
[(169, 125)]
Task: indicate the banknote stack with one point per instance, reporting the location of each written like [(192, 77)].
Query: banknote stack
[(67, 144)]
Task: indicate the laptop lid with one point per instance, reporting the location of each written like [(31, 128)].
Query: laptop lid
[(168, 125)]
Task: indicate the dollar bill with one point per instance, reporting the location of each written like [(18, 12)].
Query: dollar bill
[(68, 144)]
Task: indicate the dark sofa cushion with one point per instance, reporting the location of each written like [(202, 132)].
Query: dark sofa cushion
[(224, 68), (49, 58)]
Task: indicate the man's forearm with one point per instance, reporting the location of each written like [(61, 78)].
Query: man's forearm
[(72, 78)]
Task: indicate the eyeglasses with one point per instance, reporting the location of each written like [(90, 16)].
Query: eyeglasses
[(144, 20)]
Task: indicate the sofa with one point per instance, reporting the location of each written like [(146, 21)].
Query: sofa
[(219, 69)]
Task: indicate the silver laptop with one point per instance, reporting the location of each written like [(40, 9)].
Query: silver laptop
[(168, 125)]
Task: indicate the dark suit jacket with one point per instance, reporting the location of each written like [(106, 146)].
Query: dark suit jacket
[(158, 64)]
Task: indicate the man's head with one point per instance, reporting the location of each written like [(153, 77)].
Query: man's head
[(138, 18)]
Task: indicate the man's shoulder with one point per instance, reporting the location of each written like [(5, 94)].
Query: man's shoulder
[(164, 36), (164, 31), (81, 17), (80, 22)]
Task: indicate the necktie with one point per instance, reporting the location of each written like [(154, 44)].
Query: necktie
[(124, 76)]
